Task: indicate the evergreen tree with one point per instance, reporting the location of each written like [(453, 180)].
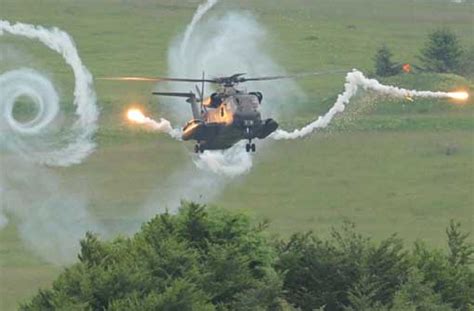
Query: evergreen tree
[(384, 66), (442, 52)]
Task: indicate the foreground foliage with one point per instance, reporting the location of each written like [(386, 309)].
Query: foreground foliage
[(212, 259)]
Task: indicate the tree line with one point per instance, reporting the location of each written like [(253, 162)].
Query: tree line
[(442, 53), (214, 259)]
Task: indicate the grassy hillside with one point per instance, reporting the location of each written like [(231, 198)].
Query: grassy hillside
[(389, 166)]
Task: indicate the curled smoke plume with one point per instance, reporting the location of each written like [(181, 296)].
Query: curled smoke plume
[(50, 218), (33, 140)]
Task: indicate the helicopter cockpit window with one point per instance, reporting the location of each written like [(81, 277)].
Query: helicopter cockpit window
[(215, 100), (248, 103)]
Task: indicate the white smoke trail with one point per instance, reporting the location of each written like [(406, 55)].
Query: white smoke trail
[(34, 140), (200, 12), (354, 81), (162, 126), (50, 218)]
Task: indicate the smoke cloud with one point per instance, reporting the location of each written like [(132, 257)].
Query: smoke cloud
[(75, 143), (51, 219), (232, 162)]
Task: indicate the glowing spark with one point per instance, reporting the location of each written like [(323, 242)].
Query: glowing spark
[(135, 115), (459, 95)]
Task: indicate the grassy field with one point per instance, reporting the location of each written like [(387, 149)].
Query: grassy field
[(389, 166)]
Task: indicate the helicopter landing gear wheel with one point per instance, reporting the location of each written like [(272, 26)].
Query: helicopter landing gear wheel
[(250, 147), (198, 148)]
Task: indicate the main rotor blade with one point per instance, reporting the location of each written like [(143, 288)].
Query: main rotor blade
[(140, 79), (154, 79), (292, 76), (222, 80), (175, 94)]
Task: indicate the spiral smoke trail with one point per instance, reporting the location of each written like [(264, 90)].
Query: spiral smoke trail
[(354, 81), (34, 139), (50, 218)]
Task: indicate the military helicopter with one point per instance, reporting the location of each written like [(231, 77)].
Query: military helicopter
[(226, 116)]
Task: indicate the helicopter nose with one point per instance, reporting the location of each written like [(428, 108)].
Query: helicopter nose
[(248, 118)]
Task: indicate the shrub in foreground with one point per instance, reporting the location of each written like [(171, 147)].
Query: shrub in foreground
[(200, 259), (212, 259)]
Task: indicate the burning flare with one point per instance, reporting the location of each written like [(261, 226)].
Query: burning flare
[(136, 115), (459, 95)]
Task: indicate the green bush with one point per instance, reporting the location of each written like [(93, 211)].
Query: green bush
[(212, 259), (338, 272), (200, 259)]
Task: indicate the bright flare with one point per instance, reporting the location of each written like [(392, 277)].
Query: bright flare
[(459, 95), (135, 115)]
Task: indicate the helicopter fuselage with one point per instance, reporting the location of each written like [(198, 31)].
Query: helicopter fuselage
[(227, 118)]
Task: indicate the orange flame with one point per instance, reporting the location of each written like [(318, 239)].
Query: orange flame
[(406, 68)]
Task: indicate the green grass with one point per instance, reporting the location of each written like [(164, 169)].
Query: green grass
[(389, 166), (408, 182)]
